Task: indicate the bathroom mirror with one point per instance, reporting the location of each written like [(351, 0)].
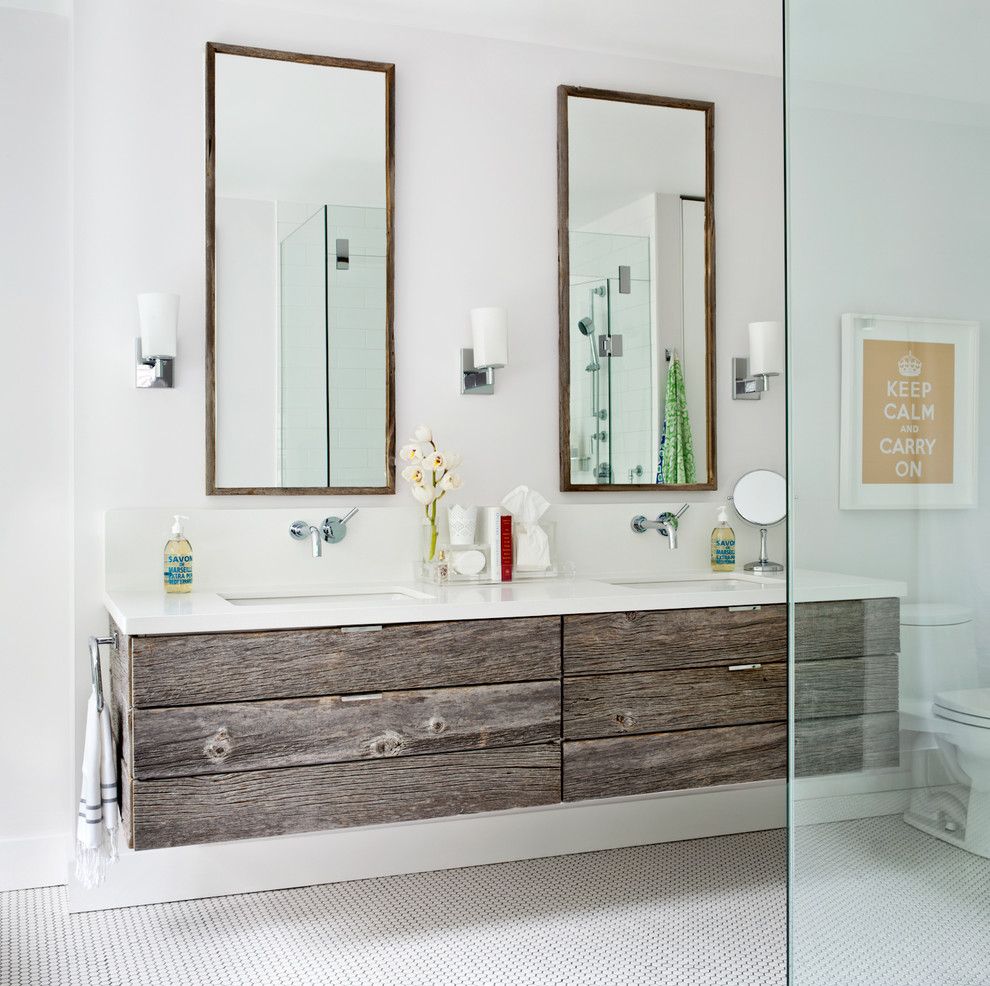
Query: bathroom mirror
[(636, 291), (299, 347), (760, 498)]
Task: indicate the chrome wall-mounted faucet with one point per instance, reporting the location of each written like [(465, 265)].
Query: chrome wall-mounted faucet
[(333, 530), (665, 524)]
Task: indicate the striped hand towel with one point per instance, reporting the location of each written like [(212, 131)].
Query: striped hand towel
[(99, 814)]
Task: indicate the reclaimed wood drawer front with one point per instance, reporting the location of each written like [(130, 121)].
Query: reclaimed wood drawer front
[(851, 628), (597, 643), (675, 761), (846, 744), (852, 686), (236, 667), (251, 804), (653, 701), (210, 739)]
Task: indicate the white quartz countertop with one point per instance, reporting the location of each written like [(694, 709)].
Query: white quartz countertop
[(144, 612)]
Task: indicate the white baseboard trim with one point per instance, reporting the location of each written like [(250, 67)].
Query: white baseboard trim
[(156, 876), (38, 861)]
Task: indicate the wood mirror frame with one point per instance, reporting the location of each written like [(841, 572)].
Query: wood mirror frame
[(212, 50), (563, 290)]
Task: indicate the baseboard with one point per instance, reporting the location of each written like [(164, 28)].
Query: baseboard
[(38, 861), (866, 794), (156, 876)]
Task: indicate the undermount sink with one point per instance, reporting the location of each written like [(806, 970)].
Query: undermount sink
[(322, 598), (694, 584)]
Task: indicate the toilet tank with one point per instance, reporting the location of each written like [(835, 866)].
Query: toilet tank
[(938, 652)]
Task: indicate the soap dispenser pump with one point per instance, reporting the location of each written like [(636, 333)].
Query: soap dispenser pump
[(178, 559), (723, 543)]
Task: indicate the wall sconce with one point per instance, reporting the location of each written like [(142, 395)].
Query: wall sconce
[(490, 339), (750, 377), (155, 348)]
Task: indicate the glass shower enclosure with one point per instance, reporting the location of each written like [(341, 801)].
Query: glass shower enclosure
[(331, 352), (888, 212)]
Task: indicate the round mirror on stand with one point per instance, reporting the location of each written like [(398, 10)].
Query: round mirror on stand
[(760, 498)]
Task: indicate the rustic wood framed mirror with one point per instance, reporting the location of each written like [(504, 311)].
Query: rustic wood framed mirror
[(636, 292), (300, 357)]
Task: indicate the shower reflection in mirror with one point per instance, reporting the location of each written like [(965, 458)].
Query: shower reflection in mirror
[(636, 273)]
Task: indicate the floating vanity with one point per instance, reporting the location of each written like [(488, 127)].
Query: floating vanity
[(241, 715)]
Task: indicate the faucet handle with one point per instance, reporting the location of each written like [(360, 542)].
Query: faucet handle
[(335, 528)]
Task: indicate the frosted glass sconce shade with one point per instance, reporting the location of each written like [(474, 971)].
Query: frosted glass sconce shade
[(766, 348), (158, 314), (490, 341), (490, 336)]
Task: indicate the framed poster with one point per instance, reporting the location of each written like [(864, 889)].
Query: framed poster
[(910, 399)]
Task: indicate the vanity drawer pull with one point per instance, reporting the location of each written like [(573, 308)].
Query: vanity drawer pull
[(367, 629), (745, 609), (745, 667), (370, 697)]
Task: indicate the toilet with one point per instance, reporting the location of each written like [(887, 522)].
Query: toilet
[(943, 707)]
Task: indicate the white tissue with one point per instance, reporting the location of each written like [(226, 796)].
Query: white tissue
[(532, 546)]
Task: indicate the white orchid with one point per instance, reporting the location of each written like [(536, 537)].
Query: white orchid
[(430, 475), (425, 494)]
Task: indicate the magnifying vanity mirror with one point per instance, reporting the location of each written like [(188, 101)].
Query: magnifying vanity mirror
[(299, 361), (636, 291), (760, 498)]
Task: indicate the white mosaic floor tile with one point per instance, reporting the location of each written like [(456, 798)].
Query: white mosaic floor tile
[(704, 913), (878, 903)]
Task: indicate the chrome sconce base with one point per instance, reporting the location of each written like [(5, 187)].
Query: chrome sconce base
[(155, 371), (476, 379), (746, 387)]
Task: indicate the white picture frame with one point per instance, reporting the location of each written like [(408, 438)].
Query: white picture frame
[(908, 396)]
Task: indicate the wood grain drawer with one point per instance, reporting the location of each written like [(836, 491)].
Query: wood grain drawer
[(846, 744), (851, 628), (250, 804), (653, 701), (212, 739), (692, 758), (236, 667), (598, 643), (845, 687)]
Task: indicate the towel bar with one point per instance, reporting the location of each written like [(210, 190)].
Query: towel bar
[(95, 669)]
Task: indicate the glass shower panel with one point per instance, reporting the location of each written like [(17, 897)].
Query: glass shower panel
[(356, 318), (888, 208), (614, 413), (303, 449)]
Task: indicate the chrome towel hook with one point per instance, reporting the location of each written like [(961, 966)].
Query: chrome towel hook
[(97, 672)]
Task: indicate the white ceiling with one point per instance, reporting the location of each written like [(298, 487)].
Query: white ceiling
[(744, 35), (620, 152), (299, 133)]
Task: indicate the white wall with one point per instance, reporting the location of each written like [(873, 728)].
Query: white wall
[(247, 341), (475, 224), (35, 444)]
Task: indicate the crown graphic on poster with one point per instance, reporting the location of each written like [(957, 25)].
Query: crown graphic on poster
[(909, 365)]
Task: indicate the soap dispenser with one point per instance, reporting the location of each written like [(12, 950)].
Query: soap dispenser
[(178, 559), (723, 543)]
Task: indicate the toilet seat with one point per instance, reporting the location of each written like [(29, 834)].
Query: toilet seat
[(970, 706)]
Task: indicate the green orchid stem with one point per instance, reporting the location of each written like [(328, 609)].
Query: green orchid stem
[(431, 516)]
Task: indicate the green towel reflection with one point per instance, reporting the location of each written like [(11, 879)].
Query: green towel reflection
[(676, 447)]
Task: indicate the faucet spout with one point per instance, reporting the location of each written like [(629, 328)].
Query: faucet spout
[(315, 536)]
